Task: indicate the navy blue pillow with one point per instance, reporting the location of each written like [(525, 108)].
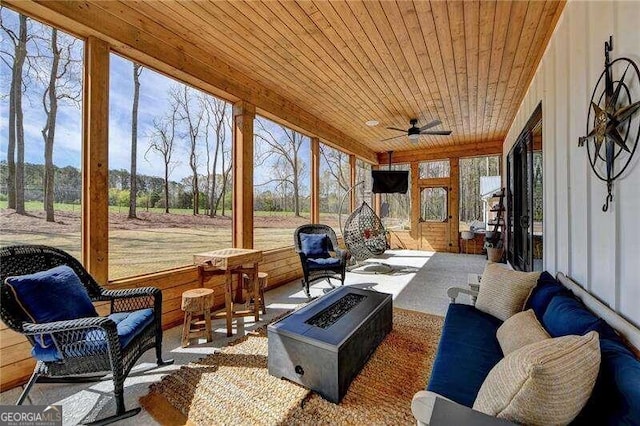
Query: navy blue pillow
[(616, 395), (314, 245), (545, 290), (567, 315), (52, 295)]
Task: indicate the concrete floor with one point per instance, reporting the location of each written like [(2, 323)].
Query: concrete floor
[(418, 281)]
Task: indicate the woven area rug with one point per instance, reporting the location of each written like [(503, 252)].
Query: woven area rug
[(234, 387)]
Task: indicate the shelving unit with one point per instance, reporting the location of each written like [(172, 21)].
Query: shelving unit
[(498, 221)]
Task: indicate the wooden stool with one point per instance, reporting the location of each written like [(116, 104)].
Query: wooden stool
[(196, 302), (263, 279)]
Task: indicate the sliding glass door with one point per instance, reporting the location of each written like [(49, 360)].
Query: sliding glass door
[(524, 198)]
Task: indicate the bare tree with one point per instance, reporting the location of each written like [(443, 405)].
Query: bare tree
[(133, 198), (227, 165), (192, 117), (217, 116), (162, 141), (287, 164), (207, 182), (15, 151), (63, 84), (337, 166)]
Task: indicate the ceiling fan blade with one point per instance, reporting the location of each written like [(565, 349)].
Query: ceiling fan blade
[(436, 132), (395, 137), (395, 128), (430, 125)]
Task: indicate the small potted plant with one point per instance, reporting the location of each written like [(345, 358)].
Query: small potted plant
[(495, 250)]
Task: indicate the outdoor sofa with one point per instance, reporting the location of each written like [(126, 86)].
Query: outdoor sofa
[(468, 350)]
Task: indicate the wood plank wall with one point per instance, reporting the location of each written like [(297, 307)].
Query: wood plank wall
[(282, 265)]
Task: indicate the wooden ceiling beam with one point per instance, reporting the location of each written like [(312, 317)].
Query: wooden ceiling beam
[(152, 45), (474, 149)]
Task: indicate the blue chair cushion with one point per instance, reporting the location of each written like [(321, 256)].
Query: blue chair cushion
[(467, 351), (129, 325), (56, 294), (546, 288), (615, 399), (323, 263), (567, 315), (314, 245)]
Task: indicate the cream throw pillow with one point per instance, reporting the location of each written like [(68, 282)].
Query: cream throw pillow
[(503, 292), (520, 330), (544, 383)]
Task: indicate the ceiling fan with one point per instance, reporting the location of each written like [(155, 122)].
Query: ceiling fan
[(414, 131)]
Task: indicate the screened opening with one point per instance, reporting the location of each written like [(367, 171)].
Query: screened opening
[(281, 176), (334, 184), (434, 169), (170, 176), (41, 137), (395, 209)]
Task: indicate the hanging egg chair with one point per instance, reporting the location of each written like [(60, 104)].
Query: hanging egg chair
[(364, 234)]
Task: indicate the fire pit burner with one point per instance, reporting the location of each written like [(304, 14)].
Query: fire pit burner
[(333, 313)]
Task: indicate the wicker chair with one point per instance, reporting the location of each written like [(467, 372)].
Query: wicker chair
[(87, 348), (312, 271)]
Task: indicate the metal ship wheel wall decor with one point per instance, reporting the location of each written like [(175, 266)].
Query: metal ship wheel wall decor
[(611, 120)]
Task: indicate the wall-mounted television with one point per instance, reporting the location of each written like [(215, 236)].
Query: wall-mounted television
[(390, 181)]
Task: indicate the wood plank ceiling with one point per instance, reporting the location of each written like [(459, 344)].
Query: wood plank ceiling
[(467, 63)]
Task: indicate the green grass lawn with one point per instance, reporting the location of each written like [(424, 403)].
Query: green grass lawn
[(146, 246), (39, 206), (136, 251)]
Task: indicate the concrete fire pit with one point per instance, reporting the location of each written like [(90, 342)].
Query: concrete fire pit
[(324, 345)]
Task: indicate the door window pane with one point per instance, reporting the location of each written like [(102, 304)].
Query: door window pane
[(433, 205)]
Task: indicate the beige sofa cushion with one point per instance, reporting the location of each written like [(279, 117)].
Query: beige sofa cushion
[(520, 330), (544, 383), (503, 292)]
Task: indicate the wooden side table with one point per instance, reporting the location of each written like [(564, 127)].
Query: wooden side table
[(198, 301), (228, 262)]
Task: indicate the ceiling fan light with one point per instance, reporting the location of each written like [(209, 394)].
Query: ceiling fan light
[(414, 136)]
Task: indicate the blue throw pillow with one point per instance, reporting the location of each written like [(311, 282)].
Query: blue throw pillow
[(52, 295), (615, 397), (314, 245), (567, 315), (545, 290)]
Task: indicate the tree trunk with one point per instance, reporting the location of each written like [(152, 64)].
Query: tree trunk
[(21, 53), (223, 190), (194, 182), (296, 183), (196, 195), (212, 196), (11, 148), (137, 69), (48, 133), (166, 188)]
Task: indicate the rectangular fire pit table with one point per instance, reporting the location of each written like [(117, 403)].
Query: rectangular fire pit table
[(325, 344)]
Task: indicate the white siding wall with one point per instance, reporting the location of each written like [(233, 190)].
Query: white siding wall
[(599, 250)]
